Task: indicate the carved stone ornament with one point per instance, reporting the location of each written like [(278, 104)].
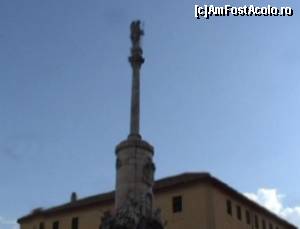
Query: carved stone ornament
[(130, 217), (148, 171), (118, 164)]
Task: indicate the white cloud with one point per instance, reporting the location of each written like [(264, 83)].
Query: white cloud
[(8, 224), (272, 200), (292, 215)]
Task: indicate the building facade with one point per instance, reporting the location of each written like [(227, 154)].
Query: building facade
[(186, 201)]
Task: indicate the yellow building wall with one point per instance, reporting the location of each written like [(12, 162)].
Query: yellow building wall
[(88, 218), (192, 216), (194, 202), (203, 207), (225, 221)]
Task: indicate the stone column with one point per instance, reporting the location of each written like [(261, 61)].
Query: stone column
[(135, 169), (134, 164), (136, 60)]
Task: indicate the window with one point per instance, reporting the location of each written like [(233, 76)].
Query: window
[(248, 217), (75, 223), (263, 224), (238, 212), (229, 208), (55, 225), (177, 204), (256, 222), (270, 226), (42, 225)]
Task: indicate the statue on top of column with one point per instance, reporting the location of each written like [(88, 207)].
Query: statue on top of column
[(136, 33)]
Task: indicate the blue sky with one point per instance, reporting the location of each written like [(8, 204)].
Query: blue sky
[(219, 95)]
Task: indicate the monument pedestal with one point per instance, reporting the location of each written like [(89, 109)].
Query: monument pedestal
[(135, 175), (135, 178), (134, 197), (129, 223)]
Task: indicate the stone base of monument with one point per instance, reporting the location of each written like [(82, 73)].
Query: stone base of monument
[(142, 223), (130, 217), (128, 222)]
